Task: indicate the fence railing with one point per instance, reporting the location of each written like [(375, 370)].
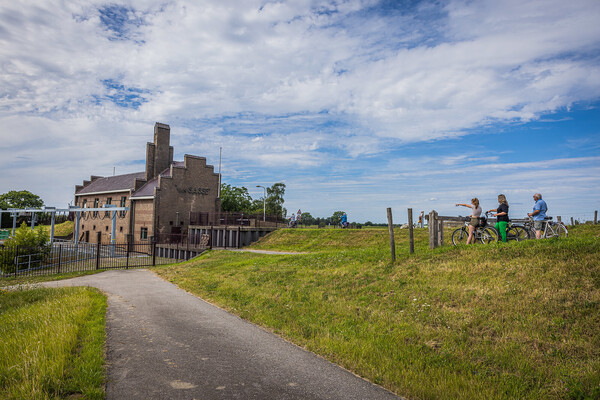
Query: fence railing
[(186, 240), (65, 257), (231, 218)]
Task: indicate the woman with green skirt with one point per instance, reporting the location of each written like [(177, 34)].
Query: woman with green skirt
[(502, 215)]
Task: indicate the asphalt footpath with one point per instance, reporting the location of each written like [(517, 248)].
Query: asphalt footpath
[(164, 343)]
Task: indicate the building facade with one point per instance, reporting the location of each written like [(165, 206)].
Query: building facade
[(160, 199)]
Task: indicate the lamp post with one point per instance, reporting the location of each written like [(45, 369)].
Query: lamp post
[(264, 203)]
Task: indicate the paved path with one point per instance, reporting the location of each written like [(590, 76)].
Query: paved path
[(164, 343)]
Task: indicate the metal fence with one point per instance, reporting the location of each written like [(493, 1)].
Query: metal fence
[(183, 240), (65, 257), (232, 218)]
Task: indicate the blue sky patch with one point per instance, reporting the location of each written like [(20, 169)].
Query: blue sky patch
[(120, 21), (126, 97)]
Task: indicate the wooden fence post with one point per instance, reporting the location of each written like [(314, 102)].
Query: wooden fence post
[(411, 238), (559, 218), (391, 229), (572, 221), (432, 225), (595, 217), (440, 233)]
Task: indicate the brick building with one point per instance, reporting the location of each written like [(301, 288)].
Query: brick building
[(160, 199)]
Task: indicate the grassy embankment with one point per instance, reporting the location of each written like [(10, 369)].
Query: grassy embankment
[(52, 343), (517, 320), (62, 229)]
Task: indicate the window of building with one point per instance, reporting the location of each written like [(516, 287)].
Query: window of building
[(120, 229), (107, 213), (94, 228), (123, 204), (96, 205), (84, 205), (144, 233), (106, 228)]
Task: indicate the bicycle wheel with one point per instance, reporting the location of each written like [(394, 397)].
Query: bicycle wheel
[(518, 233), (489, 235), (460, 236), (561, 230)]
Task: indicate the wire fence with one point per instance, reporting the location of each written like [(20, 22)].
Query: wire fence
[(65, 257)]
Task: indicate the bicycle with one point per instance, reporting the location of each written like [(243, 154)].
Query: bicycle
[(516, 232), (550, 228), (485, 234)]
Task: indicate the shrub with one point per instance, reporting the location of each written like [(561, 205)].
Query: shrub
[(27, 242)]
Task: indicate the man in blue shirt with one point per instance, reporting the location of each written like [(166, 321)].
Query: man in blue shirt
[(344, 221), (539, 214)]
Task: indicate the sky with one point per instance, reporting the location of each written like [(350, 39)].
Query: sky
[(356, 105)]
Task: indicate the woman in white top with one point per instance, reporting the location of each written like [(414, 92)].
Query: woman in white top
[(475, 214)]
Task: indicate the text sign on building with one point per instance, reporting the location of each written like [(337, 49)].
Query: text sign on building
[(194, 190)]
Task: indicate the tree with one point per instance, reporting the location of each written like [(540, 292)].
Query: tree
[(274, 202), (257, 206), (307, 219), (234, 199), (337, 217), (18, 199)]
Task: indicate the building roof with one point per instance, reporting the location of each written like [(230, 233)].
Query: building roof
[(112, 183), (148, 189)]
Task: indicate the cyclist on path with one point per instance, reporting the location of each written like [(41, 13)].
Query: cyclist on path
[(344, 221)]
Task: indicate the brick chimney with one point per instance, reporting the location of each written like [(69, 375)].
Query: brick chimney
[(159, 155)]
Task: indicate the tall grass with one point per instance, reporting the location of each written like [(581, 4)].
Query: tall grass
[(62, 229), (51, 343), (515, 321)]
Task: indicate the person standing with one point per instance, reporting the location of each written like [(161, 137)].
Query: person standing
[(475, 214), (539, 214), (502, 215)]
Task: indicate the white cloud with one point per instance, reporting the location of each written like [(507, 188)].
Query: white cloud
[(310, 85)]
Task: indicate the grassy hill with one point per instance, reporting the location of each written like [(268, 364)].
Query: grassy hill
[(62, 229), (515, 321)]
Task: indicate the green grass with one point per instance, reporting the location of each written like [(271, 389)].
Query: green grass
[(25, 280), (514, 321), (52, 343), (62, 229)]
